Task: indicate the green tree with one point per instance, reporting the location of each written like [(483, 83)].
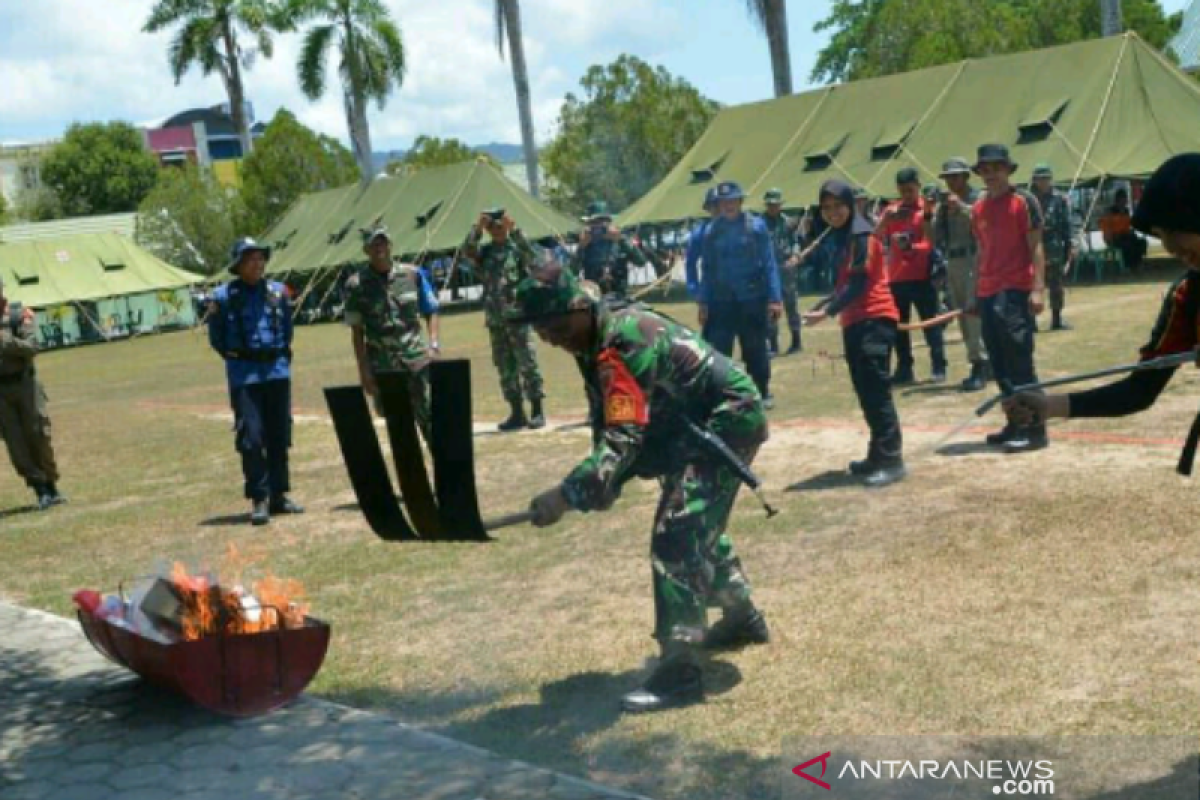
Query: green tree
[(37, 204), (290, 160), (430, 151), (508, 27), (771, 17), (869, 38), (370, 60), (210, 37), (99, 168), (631, 126), (189, 220)]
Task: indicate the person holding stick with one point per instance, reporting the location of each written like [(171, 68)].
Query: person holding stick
[(1170, 211), (864, 305)]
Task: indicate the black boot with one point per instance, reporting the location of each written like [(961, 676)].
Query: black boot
[(1059, 324), (796, 346), (536, 418), (903, 376), (516, 420), (1026, 440), (1002, 436), (261, 514), (976, 381), (886, 473), (56, 497), (676, 682), (862, 468), (44, 498), (282, 504), (737, 628)]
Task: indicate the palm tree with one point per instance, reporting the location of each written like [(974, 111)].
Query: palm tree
[(208, 37), (370, 61), (771, 16), (508, 26)]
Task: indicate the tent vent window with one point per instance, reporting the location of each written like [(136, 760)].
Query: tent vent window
[(281, 244), (707, 174), (423, 219), (889, 144), (337, 236), (25, 277), (1039, 123), (821, 157), (112, 266)]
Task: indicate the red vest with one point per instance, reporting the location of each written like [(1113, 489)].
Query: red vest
[(877, 301)]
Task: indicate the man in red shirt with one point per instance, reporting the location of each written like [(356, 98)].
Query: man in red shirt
[(901, 228), (1012, 271)]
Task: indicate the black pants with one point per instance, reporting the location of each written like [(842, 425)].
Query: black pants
[(1132, 247), (1008, 334), (868, 347), (262, 415), (748, 322), (922, 296)]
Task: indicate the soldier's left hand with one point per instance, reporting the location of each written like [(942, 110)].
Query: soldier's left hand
[(549, 507), (1036, 302), (774, 311)]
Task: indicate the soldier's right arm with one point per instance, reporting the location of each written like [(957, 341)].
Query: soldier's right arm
[(216, 324), (525, 251), (470, 248)]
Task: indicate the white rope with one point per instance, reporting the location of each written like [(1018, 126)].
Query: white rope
[(795, 136), (1112, 83)]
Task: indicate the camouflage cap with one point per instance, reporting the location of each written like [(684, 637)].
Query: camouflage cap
[(550, 290), (773, 197), (955, 166), (597, 209), (1043, 170), (369, 235)]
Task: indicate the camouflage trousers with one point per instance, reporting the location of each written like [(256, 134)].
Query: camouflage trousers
[(418, 394), (515, 358), (1055, 269), (25, 428), (791, 303), (692, 557)]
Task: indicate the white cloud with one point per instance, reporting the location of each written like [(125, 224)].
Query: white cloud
[(66, 60)]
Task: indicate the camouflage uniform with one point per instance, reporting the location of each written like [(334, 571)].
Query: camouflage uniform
[(389, 309), (501, 267), (646, 377), (1058, 240), (24, 422), (782, 230), (606, 263)]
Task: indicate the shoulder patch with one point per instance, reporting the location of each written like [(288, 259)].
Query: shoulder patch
[(624, 401)]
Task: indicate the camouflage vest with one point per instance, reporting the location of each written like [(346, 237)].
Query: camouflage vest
[(389, 306), (501, 268)]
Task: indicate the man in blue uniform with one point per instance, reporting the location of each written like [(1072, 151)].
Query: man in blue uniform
[(696, 241), (250, 326), (740, 294)]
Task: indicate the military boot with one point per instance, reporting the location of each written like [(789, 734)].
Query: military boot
[(903, 376), (537, 419), (44, 498), (976, 381), (738, 627), (57, 498), (862, 468), (261, 513), (796, 346), (1026, 440), (676, 681), (516, 420), (1002, 436), (886, 473), (773, 344), (1059, 324), (282, 504)]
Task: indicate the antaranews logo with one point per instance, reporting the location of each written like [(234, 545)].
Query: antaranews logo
[(824, 760)]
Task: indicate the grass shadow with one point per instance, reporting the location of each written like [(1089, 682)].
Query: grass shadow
[(830, 479), (347, 507), (928, 388), (18, 511), (965, 449), (226, 520)]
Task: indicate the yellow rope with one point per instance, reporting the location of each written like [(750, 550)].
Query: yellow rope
[(1112, 83), (795, 136)]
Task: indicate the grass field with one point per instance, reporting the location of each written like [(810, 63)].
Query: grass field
[(1049, 593)]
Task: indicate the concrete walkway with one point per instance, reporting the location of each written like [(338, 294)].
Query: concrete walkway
[(75, 727)]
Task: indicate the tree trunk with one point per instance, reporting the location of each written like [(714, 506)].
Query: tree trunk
[(360, 135), (516, 49), (236, 91), (1110, 18), (777, 41)]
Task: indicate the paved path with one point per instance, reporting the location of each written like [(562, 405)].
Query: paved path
[(75, 727)]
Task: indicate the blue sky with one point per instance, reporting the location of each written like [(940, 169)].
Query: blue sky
[(68, 60)]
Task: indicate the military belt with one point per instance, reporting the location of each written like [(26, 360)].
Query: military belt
[(960, 252), (265, 356)]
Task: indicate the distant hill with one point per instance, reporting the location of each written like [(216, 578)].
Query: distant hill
[(504, 153)]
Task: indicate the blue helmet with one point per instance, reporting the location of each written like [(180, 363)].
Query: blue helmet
[(243, 246), (730, 190)]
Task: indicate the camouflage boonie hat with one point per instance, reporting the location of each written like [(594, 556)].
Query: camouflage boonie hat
[(371, 234), (550, 291), (955, 166), (773, 197), (1043, 170)]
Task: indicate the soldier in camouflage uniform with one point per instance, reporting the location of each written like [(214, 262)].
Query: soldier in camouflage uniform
[(650, 384), (603, 255), (24, 423), (502, 264), (782, 230), (1058, 239), (384, 306)]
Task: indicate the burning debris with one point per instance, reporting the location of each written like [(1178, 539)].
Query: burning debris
[(233, 646)]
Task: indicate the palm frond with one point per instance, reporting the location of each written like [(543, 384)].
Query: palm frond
[(501, 10), (314, 57), (194, 43), (169, 12), (392, 42), (759, 12)]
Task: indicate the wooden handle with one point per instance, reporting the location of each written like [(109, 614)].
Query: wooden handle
[(507, 521)]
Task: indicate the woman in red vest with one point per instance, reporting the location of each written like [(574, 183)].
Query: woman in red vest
[(863, 303)]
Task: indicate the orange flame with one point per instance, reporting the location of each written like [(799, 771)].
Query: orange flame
[(209, 608)]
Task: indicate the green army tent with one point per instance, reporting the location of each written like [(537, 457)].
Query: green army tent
[(428, 211), (95, 286), (1105, 108)]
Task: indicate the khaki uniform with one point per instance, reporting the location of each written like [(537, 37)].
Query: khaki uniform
[(24, 421), (952, 235)]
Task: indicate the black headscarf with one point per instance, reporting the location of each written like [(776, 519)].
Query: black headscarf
[(857, 226), (1171, 199)]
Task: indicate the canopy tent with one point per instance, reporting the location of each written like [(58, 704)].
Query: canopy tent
[(428, 211), (95, 286), (1103, 108)]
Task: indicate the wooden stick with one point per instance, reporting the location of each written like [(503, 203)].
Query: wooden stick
[(941, 319)]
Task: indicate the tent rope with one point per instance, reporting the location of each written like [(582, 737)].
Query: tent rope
[(932, 107), (1112, 84), (795, 137)]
